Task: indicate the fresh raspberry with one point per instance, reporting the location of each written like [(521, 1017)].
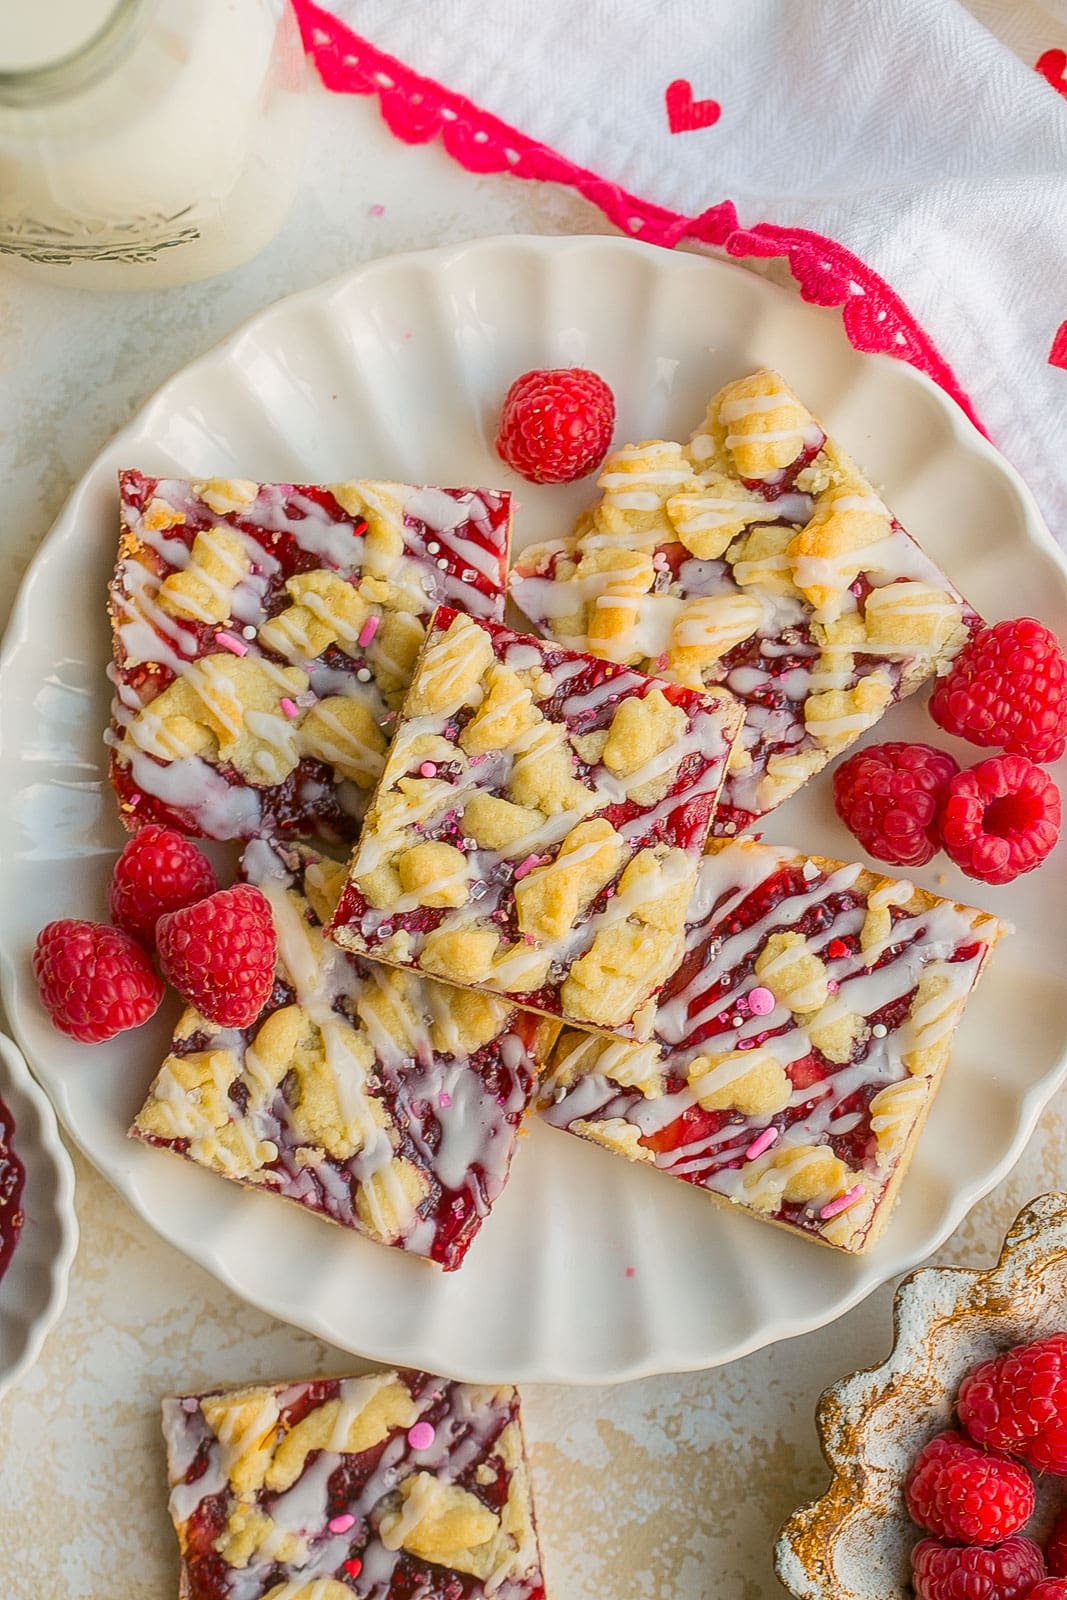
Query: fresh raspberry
[(1000, 818), (95, 981), (1018, 1403), (887, 796), (1005, 1571), (157, 872), (1049, 1589), (556, 426), (1007, 688), (1056, 1547), (219, 954), (959, 1492)]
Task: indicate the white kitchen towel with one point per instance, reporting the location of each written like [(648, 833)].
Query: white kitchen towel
[(908, 157)]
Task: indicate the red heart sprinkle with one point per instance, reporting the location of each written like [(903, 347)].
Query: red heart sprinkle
[(1053, 68), (1057, 356), (684, 114), (354, 1567), (836, 948)]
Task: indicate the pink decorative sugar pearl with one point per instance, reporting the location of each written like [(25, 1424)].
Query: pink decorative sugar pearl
[(421, 1436), (761, 1002), (428, 769), (341, 1524)]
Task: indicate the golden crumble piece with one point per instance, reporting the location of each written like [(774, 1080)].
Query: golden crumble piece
[(911, 618), (615, 608), (656, 887), (931, 1021), (341, 731), (542, 777), (389, 1005), (460, 955), (848, 1227), (637, 482), (792, 972), (225, 495), (441, 1523), (159, 515), (190, 1095), (550, 898), (707, 628), (641, 730), (453, 666), (761, 561), (496, 824), (796, 1174), (839, 716), (203, 591), (409, 802), (521, 968), (393, 651), (505, 714), (435, 873), (894, 1112), (709, 519), (838, 543), (878, 918), (757, 426), (380, 506), (589, 747), (788, 771), (386, 1203), (631, 1066), (381, 886), (317, 1116), (750, 1081), (248, 1420), (228, 705), (326, 610), (387, 1406), (625, 963), (616, 1134), (323, 882), (834, 1031), (463, 1019)]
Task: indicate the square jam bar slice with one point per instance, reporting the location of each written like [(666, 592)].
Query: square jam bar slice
[(538, 826), (758, 557), (376, 1098), (264, 636), (798, 1047), (393, 1485)]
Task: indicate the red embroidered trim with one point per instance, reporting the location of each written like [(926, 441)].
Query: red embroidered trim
[(416, 110)]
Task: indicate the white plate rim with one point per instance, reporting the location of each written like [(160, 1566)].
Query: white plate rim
[(965, 436)]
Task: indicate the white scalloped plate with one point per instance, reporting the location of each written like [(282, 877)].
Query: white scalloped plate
[(33, 1290), (398, 371)]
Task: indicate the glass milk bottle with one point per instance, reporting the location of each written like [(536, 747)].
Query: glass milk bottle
[(146, 142)]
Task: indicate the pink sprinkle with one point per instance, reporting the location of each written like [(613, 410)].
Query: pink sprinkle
[(428, 769), (630, 1271), (659, 561), (746, 1044), (760, 1002), (421, 1436), (444, 1099), (289, 708), (526, 866), (341, 1524), (528, 938), (367, 632), (377, 211), (832, 986), (842, 1203), (229, 642), (661, 663), (764, 1142)]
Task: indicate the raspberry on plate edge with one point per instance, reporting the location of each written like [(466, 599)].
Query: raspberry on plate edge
[(886, 795), (95, 981), (963, 1493), (556, 424), (1000, 818), (1007, 688), (219, 954), (158, 871)]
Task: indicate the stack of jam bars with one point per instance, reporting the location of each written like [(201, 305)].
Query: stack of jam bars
[(549, 901)]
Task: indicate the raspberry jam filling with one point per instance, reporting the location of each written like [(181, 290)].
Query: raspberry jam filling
[(396, 1109), (264, 633), (355, 1480), (12, 1179), (795, 1046), (569, 781)]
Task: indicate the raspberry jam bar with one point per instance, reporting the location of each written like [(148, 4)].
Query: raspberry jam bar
[(377, 1098), (798, 1047), (759, 557), (538, 827), (264, 636), (394, 1486)]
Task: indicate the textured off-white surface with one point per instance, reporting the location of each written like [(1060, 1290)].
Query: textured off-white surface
[(665, 1489), (34, 1287)]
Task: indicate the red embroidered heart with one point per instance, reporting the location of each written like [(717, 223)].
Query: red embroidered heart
[(1053, 68), (684, 114), (1057, 356), (354, 1567)]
